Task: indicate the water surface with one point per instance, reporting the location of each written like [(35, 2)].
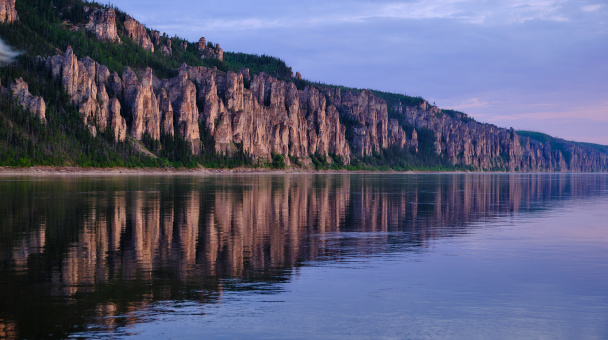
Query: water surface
[(305, 256)]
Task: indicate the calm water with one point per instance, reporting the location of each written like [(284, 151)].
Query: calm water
[(305, 256)]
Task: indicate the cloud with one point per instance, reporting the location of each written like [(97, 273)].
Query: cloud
[(239, 15), (471, 103), (595, 113), (591, 8)]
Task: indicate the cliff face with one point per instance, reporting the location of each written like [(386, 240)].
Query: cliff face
[(373, 130), (93, 90), (8, 13), (271, 116), (484, 146), (261, 116), (102, 22), (210, 50), (139, 34), (34, 104)]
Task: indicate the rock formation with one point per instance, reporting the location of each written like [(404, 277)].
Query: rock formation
[(155, 37), (102, 22), (139, 33), (166, 48), (8, 13), (260, 116), (145, 112), (371, 127), (86, 83), (181, 95), (208, 50), (272, 116), (27, 101), (487, 147)]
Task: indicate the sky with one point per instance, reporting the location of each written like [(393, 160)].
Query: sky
[(537, 65)]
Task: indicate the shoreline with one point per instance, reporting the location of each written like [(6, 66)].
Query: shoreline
[(6, 171), (79, 171)]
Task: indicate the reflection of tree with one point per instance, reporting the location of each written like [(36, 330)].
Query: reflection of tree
[(112, 247)]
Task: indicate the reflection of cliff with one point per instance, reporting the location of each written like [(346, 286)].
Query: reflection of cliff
[(224, 228), (128, 243)]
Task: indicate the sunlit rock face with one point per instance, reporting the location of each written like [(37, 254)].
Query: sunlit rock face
[(92, 88), (34, 104), (8, 13), (372, 129), (139, 34), (464, 141), (208, 50), (102, 22), (262, 116), (269, 116)]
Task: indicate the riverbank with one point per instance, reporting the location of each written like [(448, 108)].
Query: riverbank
[(78, 171)]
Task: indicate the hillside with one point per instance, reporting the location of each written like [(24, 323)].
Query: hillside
[(94, 87)]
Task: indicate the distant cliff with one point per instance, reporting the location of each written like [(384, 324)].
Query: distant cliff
[(484, 146), (161, 94)]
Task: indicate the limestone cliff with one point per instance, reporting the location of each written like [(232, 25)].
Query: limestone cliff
[(85, 82), (260, 115), (8, 13), (485, 147), (136, 31), (271, 116), (208, 50), (23, 97), (372, 129), (102, 22)]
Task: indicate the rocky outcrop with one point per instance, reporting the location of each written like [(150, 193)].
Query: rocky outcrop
[(102, 22), (271, 116), (166, 48), (266, 117), (92, 88), (138, 32), (260, 116), (145, 112), (27, 101), (155, 37), (208, 50), (464, 141), (368, 117), (180, 101), (8, 13)]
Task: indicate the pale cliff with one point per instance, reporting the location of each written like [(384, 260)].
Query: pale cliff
[(8, 13), (260, 116), (93, 90), (22, 96), (139, 33), (486, 147), (372, 131), (208, 50), (102, 22), (271, 116)]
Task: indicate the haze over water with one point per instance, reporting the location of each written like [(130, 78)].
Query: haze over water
[(305, 256)]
